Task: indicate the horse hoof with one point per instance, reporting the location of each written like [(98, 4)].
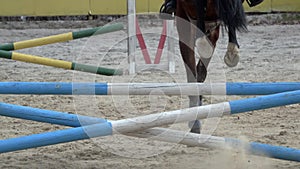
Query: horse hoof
[(232, 57), (195, 126), (195, 130), (204, 47)]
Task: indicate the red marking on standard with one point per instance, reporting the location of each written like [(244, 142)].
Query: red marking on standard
[(143, 46)]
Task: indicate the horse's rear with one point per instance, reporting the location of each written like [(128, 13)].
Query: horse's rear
[(198, 24)]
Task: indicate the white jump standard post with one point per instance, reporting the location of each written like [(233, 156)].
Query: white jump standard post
[(171, 45), (133, 30), (131, 35)]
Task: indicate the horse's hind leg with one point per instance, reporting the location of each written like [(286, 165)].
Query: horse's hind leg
[(187, 44), (232, 56), (203, 62)]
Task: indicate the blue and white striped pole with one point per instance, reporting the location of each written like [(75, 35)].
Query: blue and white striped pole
[(68, 88), (47, 116), (142, 123)]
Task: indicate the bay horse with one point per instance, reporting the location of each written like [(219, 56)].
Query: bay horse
[(198, 25)]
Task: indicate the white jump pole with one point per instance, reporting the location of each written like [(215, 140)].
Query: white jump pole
[(201, 140)]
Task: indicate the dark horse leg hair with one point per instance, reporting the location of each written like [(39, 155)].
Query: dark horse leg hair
[(232, 36), (200, 6), (231, 12)]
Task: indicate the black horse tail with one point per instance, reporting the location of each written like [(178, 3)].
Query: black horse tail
[(232, 13)]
